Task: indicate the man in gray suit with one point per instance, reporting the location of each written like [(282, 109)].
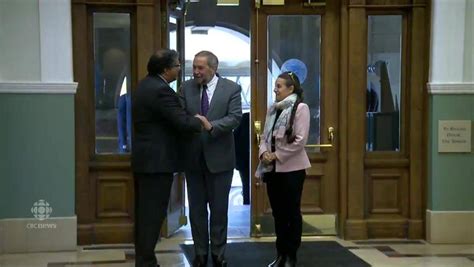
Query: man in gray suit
[(211, 162)]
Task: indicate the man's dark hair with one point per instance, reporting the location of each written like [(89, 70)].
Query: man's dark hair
[(161, 60)]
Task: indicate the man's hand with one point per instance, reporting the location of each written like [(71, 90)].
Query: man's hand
[(205, 123)]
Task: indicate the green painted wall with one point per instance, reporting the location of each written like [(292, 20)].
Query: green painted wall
[(37, 153), (451, 175)]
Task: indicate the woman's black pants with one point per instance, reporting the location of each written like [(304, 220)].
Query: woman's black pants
[(284, 192)]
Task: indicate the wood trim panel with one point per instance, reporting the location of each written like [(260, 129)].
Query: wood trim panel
[(105, 233), (330, 54), (356, 95), (387, 193), (312, 203), (417, 89), (81, 76), (145, 33), (387, 229), (386, 163), (114, 195), (343, 119)]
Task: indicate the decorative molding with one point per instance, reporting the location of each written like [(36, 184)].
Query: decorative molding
[(33, 235), (450, 88), (450, 227), (37, 88)]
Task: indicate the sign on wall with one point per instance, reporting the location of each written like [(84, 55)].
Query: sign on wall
[(454, 136)]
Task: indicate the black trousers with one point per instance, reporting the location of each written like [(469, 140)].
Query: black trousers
[(284, 192), (152, 193), (245, 177)]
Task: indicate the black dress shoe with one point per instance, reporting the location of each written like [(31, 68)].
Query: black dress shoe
[(200, 261), (218, 261), (290, 262), (279, 261)]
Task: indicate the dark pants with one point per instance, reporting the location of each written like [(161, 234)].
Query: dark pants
[(245, 177), (152, 193), (284, 192), (206, 188)]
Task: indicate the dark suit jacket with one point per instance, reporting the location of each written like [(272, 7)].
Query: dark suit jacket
[(225, 111), (159, 122), (242, 143)]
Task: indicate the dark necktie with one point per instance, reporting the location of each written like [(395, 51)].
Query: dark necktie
[(204, 101)]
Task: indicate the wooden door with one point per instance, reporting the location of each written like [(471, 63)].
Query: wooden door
[(385, 48), (373, 65), (305, 41), (112, 42)]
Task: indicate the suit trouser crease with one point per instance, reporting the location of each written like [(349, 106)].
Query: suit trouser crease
[(152, 192), (284, 192), (206, 188)]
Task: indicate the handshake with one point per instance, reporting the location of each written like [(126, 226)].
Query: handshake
[(205, 123)]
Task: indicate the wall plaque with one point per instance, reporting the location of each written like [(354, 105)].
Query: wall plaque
[(454, 136)]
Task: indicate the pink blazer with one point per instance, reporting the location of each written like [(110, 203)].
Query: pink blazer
[(291, 156)]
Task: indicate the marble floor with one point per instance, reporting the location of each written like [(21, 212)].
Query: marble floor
[(375, 252), (383, 253)]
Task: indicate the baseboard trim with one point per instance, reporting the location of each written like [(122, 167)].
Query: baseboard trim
[(33, 235), (451, 88), (105, 233), (38, 88), (356, 230), (450, 227)]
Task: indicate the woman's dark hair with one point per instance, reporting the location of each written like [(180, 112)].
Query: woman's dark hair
[(291, 79), (161, 60)]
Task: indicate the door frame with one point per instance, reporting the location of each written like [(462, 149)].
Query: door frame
[(100, 173), (324, 162), (403, 216)]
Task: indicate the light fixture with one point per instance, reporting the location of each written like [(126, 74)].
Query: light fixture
[(203, 30), (227, 2)]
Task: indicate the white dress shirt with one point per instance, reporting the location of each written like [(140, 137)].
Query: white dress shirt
[(211, 87)]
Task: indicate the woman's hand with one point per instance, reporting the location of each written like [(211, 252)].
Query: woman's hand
[(268, 157)]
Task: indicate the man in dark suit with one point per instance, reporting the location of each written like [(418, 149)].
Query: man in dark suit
[(159, 121), (211, 161), (242, 155)]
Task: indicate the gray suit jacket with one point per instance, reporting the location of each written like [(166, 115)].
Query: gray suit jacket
[(225, 111)]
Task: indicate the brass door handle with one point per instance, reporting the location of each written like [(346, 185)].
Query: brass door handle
[(258, 130), (330, 139)]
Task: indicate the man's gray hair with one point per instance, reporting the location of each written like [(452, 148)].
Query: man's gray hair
[(212, 60)]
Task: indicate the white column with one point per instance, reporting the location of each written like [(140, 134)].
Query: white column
[(19, 41), (56, 40), (447, 42), (469, 43)]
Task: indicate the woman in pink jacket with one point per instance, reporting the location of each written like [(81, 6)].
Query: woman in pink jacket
[(283, 161)]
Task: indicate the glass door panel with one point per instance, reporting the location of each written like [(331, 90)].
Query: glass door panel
[(294, 44)]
